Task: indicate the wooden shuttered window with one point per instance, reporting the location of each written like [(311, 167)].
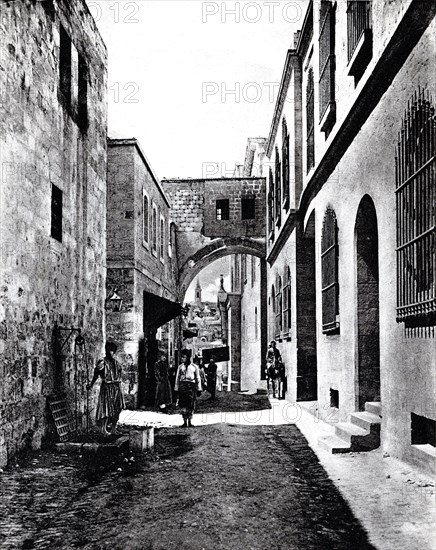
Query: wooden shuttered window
[(278, 308), (271, 205), (285, 164), (310, 122), (359, 20), (415, 206), (278, 188), (287, 303), (329, 274), (326, 58)]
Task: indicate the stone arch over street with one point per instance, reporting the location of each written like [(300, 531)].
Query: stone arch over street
[(215, 218), (217, 248)]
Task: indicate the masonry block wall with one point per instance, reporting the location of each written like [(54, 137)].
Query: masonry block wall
[(50, 138), (141, 256)]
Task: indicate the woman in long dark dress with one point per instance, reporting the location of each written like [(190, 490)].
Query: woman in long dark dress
[(110, 399)]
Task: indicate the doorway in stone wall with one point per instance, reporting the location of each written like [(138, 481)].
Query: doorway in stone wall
[(307, 375), (367, 304)]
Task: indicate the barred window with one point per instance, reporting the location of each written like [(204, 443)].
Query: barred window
[(287, 322), (278, 309), (278, 188), (285, 163), (359, 20), (326, 60), (253, 270), (415, 200), (310, 121), (271, 205), (329, 274)]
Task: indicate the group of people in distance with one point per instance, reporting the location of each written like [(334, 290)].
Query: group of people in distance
[(189, 381), (275, 372), (186, 383)]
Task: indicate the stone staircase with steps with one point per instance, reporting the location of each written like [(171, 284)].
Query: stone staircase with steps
[(362, 433)]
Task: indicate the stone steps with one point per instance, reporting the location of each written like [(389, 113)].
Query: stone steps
[(362, 433), (373, 407)]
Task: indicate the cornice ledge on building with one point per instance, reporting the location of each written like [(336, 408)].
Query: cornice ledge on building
[(405, 37), (283, 236), (119, 142)]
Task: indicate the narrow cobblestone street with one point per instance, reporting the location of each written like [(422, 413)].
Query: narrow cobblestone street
[(216, 486)]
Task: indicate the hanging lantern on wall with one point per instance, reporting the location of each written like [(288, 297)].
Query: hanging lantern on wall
[(114, 303)]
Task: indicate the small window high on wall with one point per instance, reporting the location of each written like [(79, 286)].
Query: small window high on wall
[(415, 199), (248, 209), (56, 213), (222, 209), (329, 274)]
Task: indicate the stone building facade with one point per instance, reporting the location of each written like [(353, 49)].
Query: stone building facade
[(53, 212), (141, 268), (351, 247)]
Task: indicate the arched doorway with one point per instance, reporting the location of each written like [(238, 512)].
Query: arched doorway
[(307, 380), (367, 304)]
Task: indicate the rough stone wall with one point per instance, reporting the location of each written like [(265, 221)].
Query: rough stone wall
[(45, 282), (133, 266), (234, 190)]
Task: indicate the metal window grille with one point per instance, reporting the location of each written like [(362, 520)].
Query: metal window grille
[(56, 213), (285, 162), (253, 270), (329, 273), (326, 57), (310, 121), (278, 189), (287, 301), (415, 206), (359, 19)]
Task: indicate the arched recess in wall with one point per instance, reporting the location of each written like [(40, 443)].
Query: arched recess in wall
[(367, 304)]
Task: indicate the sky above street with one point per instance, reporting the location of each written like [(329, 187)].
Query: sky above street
[(192, 80)]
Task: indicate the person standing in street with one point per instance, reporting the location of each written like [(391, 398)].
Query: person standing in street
[(163, 398), (188, 386), (211, 378), (110, 399)]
